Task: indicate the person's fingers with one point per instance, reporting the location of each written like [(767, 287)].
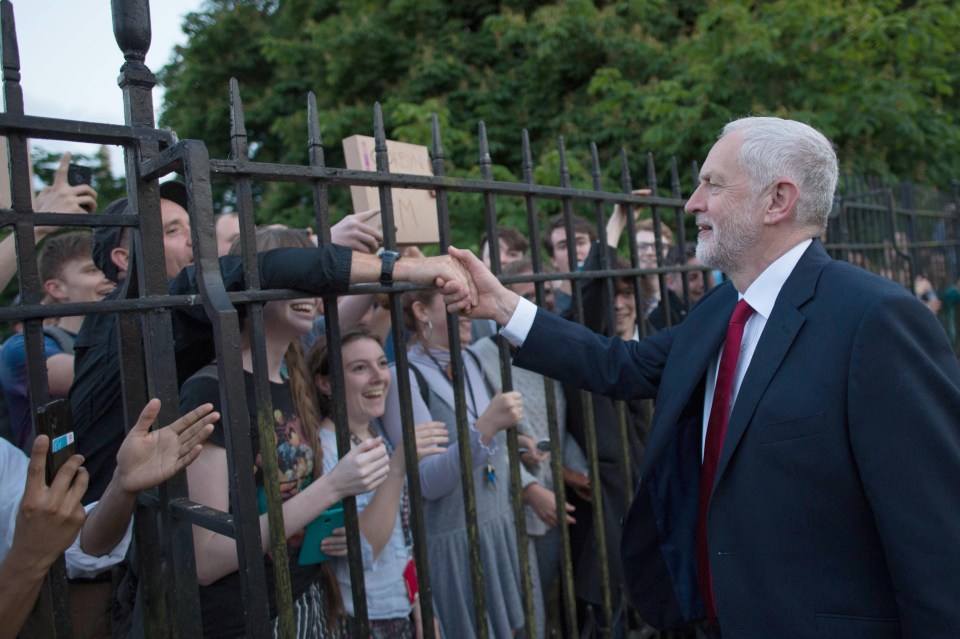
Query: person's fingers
[(187, 458), (365, 216), (60, 175), (641, 192), (148, 415), (37, 468), (65, 476), (368, 445), (369, 237), (197, 415), (199, 433), (78, 487), (88, 201)]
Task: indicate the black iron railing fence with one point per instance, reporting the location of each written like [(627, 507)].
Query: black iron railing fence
[(903, 233)]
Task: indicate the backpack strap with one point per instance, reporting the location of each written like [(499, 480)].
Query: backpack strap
[(422, 383), (64, 339)]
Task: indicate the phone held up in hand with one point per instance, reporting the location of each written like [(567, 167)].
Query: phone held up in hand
[(55, 421), (78, 174)]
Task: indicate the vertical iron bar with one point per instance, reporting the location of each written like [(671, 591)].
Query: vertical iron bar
[(589, 430), (168, 561), (338, 403), (261, 386), (55, 623), (550, 392), (516, 488)]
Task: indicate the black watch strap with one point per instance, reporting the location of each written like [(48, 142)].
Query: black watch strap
[(387, 260)]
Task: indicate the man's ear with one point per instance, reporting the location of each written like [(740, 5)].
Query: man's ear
[(782, 203), (54, 289), (120, 258)]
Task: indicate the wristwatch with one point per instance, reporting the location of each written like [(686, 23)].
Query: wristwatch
[(387, 260)]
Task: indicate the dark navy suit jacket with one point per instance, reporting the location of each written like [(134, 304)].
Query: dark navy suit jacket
[(836, 507)]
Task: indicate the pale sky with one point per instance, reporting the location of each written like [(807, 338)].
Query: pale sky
[(69, 60)]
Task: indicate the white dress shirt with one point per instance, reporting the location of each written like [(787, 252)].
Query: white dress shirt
[(761, 296)]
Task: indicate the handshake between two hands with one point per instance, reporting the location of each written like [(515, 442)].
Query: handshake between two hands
[(471, 290)]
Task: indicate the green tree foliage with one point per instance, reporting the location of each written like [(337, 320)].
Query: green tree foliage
[(878, 77)]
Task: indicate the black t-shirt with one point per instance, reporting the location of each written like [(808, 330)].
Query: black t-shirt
[(95, 396), (221, 602)]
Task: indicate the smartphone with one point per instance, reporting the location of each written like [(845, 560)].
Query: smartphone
[(79, 174), (318, 530), (55, 421)]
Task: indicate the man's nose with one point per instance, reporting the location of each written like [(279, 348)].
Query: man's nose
[(694, 205)]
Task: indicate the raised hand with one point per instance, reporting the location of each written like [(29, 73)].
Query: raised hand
[(358, 231), (148, 458), (60, 197), (618, 219), (362, 469), (49, 517)]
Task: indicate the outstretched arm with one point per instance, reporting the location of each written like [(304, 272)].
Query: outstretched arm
[(443, 271), (47, 523), (377, 519)]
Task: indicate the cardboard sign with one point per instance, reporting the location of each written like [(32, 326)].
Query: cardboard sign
[(414, 210)]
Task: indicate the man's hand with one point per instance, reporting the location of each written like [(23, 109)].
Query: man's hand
[(49, 517), (443, 271), (578, 482), (60, 197), (147, 459), (358, 231), (544, 503), (491, 300)]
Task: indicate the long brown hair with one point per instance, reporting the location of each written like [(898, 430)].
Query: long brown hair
[(301, 388)]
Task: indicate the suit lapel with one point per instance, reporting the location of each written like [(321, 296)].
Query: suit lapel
[(696, 342), (778, 335)]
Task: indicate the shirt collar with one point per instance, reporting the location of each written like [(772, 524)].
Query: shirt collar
[(762, 294)]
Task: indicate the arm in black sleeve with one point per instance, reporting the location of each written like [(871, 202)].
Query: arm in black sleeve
[(320, 271)]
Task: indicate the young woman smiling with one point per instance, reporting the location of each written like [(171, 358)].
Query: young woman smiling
[(488, 414), (385, 541), (306, 492)]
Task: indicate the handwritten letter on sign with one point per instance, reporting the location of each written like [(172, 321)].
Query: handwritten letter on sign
[(414, 210)]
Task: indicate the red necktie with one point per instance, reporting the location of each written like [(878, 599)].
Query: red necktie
[(716, 429)]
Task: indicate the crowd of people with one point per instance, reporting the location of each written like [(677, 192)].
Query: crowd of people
[(652, 336)]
